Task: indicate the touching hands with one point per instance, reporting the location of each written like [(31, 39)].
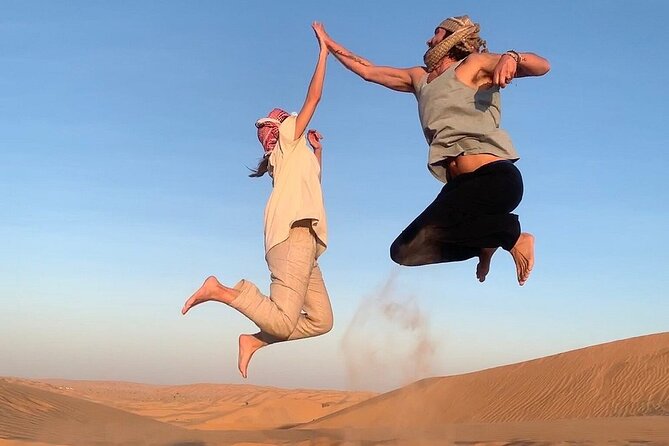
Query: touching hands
[(321, 35), (505, 71), (314, 137)]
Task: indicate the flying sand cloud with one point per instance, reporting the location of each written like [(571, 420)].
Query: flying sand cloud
[(388, 342)]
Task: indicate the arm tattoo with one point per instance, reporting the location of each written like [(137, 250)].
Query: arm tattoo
[(340, 53)]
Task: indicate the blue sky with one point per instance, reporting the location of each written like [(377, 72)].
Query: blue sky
[(125, 133)]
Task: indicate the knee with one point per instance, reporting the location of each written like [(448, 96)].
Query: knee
[(282, 330), (395, 253), (325, 325), (399, 254)]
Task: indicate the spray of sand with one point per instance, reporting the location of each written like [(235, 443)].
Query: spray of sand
[(388, 342)]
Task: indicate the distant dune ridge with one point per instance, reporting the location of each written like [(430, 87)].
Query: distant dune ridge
[(211, 406), (614, 393)]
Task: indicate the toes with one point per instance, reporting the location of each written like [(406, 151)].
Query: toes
[(524, 273), (190, 303)]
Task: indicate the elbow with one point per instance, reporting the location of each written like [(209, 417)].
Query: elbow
[(314, 98), (542, 66), (546, 67), (537, 69), (535, 65)]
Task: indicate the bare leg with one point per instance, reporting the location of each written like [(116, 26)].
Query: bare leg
[(523, 256), (484, 263), (210, 290), (248, 345)]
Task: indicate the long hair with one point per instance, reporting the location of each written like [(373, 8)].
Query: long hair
[(262, 168)]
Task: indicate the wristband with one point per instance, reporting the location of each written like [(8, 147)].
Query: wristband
[(515, 55)]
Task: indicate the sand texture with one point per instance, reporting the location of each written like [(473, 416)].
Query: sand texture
[(614, 394)]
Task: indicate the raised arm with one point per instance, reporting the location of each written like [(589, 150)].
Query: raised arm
[(315, 90), (398, 79)]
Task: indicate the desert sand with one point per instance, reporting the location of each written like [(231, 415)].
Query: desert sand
[(615, 394)]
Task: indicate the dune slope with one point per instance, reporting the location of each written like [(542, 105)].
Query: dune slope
[(32, 414), (618, 379)]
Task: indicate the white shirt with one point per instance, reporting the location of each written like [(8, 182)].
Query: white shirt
[(297, 193)]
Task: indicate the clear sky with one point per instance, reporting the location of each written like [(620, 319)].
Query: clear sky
[(126, 129)]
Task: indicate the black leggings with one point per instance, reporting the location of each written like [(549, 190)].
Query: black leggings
[(471, 212)]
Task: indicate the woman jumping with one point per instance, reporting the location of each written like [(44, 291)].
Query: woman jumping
[(295, 234)]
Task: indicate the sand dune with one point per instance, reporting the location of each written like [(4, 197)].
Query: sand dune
[(32, 414), (210, 406), (614, 394), (619, 379)]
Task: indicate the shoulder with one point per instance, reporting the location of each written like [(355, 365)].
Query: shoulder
[(287, 127), (288, 122), (287, 133), (416, 73), (476, 69), (414, 76), (482, 61), (477, 60)]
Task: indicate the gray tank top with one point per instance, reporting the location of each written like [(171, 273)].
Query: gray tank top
[(458, 119)]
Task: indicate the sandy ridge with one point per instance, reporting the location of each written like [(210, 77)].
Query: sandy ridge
[(209, 406), (615, 394), (619, 379)]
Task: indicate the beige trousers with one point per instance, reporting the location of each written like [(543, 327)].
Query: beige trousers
[(298, 305)]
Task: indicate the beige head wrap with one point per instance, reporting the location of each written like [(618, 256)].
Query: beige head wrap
[(464, 36)]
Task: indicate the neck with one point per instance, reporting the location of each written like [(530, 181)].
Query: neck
[(444, 64)]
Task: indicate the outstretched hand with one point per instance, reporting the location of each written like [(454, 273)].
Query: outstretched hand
[(314, 137), (321, 35), (505, 71)]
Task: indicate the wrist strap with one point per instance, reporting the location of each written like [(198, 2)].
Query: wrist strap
[(516, 56)]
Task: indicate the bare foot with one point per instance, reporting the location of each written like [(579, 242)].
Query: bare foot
[(484, 263), (523, 256), (211, 289), (248, 345)]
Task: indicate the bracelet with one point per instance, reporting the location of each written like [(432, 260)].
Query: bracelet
[(515, 55)]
